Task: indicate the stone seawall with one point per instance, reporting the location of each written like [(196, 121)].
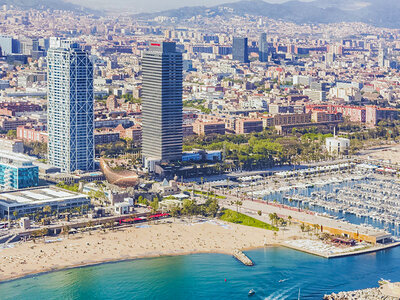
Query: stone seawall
[(387, 291)]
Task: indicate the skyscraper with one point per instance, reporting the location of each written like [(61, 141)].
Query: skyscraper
[(70, 107), (263, 48), (162, 103), (8, 45), (240, 50)]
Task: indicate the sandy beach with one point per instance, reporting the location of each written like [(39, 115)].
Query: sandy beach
[(129, 243)]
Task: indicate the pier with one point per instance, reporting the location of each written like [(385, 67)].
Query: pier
[(243, 258)]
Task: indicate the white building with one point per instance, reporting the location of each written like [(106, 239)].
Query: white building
[(335, 145), (29, 201)]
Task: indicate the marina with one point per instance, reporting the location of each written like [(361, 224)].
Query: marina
[(366, 198)]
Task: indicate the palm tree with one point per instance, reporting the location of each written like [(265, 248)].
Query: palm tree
[(47, 210), (154, 205), (89, 226), (65, 230), (273, 218), (175, 211), (238, 203)]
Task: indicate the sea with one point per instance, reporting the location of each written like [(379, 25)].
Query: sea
[(278, 273)]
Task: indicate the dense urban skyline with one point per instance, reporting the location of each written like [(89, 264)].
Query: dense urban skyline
[(188, 137)]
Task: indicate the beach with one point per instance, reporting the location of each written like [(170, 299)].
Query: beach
[(145, 240)]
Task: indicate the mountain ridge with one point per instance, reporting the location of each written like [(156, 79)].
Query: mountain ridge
[(49, 5), (382, 13)]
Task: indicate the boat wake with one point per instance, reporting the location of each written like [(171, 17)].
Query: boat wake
[(282, 294)]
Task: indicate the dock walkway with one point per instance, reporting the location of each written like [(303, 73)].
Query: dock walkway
[(337, 255), (240, 256)]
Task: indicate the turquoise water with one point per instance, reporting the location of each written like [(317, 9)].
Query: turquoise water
[(202, 276)]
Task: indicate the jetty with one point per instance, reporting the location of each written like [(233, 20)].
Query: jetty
[(387, 290), (243, 258)]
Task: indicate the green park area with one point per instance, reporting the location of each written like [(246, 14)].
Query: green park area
[(239, 218)]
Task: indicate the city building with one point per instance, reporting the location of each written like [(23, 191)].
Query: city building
[(315, 95), (244, 126), (240, 50), (105, 137), (12, 123), (374, 114), (162, 103), (207, 128), (8, 45), (335, 145), (263, 48), (29, 201), (17, 171), (18, 108), (15, 146), (32, 133), (70, 107)]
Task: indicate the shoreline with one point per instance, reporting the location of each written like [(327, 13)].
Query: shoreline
[(173, 253), (127, 259), (29, 259)]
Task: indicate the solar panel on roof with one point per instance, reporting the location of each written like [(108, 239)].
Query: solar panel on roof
[(36, 196), (19, 199), (57, 193)]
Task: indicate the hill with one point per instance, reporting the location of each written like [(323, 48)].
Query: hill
[(383, 13)]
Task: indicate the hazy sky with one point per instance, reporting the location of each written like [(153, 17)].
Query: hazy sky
[(134, 6)]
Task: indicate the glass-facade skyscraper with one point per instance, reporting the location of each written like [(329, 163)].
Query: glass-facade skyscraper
[(162, 103), (263, 50), (17, 172), (70, 107), (240, 50)]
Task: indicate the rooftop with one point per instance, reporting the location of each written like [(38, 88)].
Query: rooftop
[(36, 196)]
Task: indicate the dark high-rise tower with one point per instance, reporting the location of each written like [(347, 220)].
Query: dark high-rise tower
[(263, 48), (162, 103), (240, 51)]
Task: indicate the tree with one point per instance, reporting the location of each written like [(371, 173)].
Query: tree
[(274, 218), (44, 232), (175, 211), (259, 212), (47, 209), (12, 134), (212, 207), (154, 205), (65, 230), (89, 226), (237, 203), (189, 208), (290, 220), (15, 214)]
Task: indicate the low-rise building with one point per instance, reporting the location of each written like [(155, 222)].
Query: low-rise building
[(15, 146), (12, 123), (207, 128), (336, 145), (244, 126), (33, 133), (29, 201), (105, 137)]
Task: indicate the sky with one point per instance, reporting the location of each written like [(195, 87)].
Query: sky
[(139, 6)]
